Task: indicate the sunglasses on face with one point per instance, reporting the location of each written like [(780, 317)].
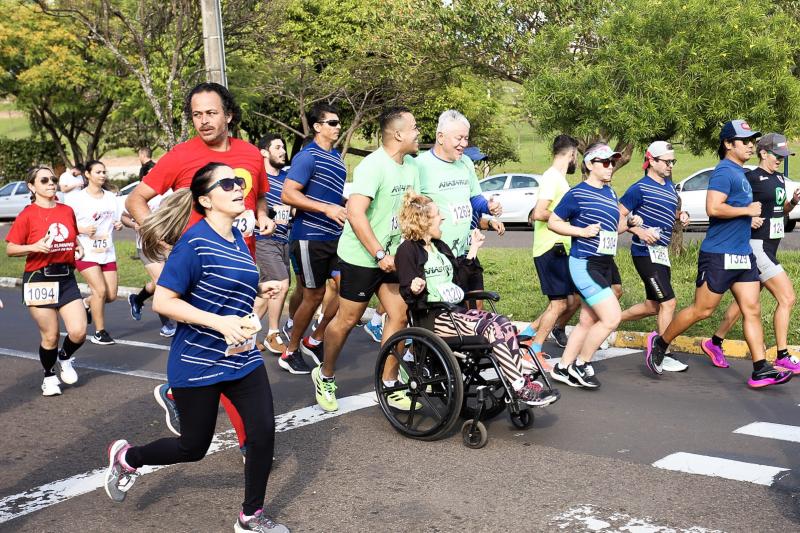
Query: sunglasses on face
[(226, 184), (669, 162), (44, 180), (779, 158), (605, 162), (746, 141), (332, 122)]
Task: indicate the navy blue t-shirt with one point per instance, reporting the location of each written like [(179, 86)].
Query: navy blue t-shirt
[(729, 235), (273, 196), (584, 205), (219, 277), (322, 175), (657, 205)]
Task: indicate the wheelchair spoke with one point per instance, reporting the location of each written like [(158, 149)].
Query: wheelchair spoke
[(430, 404)]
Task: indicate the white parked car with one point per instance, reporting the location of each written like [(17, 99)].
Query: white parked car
[(122, 195), (693, 189), (14, 197), (516, 192)]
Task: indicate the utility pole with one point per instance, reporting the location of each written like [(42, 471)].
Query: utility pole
[(213, 41)]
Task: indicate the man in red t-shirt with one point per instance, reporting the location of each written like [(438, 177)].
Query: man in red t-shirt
[(213, 112)]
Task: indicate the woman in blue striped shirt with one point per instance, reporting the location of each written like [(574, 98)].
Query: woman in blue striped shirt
[(209, 285)]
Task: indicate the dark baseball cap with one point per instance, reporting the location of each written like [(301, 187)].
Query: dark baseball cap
[(775, 143), (737, 129)]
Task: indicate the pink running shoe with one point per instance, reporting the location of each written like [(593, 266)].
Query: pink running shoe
[(790, 363), (715, 353), (767, 376)]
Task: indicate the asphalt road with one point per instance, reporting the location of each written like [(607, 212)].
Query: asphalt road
[(585, 465)]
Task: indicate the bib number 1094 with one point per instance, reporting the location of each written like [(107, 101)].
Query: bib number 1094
[(41, 293)]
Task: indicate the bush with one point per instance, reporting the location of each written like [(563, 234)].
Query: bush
[(18, 155)]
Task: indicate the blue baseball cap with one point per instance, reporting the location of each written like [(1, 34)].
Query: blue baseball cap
[(474, 153), (737, 129)]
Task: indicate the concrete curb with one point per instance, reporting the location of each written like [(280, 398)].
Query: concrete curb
[(122, 292), (636, 340)]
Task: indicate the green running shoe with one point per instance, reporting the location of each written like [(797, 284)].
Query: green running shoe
[(325, 390)]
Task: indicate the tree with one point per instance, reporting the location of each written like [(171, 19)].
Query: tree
[(642, 70), (66, 85)]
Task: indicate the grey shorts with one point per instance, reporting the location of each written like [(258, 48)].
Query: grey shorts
[(766, 258), (272, 259)]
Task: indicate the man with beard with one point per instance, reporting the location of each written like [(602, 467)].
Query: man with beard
[(272, 251), (551, 250)]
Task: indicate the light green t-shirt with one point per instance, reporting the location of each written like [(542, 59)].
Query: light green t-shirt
[(379, 177), (552, 186), (450, 186), (438, 272)]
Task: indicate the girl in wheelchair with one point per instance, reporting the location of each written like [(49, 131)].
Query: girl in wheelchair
[(428, 273)]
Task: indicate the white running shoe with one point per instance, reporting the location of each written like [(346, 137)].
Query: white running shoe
[(51, 386), (66, 372), (606, 344), (670, 364)]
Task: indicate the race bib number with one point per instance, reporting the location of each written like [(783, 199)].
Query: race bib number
[(246, 223), (776, 228), (608, 243), (41, 293), (99, 244), (282, 213), (659, 255), (737, 262), (451, 293), (246, 346), (461, 212)]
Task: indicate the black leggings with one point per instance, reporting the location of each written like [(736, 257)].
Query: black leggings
[(198, 407)]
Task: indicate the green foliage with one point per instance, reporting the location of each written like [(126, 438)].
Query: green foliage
[(18, 155), (640, 70)]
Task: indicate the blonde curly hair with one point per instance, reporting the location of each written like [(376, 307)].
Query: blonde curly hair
[(415, 215)]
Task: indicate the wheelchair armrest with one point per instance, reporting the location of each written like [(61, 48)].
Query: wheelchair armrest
[(442, 306), (482, 295)]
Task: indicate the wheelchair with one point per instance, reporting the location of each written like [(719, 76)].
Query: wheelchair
[(449, 378)]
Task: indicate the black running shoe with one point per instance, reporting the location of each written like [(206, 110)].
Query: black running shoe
[(294, 363), (584, 374), (560, 336), (316, 353), (562, 375), (102, 337)]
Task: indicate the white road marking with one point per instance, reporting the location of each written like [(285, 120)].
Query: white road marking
[(592, 518), (718, 467), (38, 498), (91, 366), (138, 344), (769, 430)]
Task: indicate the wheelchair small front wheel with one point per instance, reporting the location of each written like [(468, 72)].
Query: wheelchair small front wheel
[(522, 419), (476, 438)]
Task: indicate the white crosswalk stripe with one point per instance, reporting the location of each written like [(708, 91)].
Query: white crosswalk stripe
[(769, 430)]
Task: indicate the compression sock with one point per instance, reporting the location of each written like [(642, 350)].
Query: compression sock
[(69, 347), (48, 357), (717, 341)]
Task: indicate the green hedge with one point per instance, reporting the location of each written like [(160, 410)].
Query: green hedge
[(18, 155)]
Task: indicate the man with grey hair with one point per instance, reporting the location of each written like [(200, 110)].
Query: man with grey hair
[(450, 181)]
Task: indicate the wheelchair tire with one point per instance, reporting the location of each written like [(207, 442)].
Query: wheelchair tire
[(474, 439), (433, 381), (522, 419)]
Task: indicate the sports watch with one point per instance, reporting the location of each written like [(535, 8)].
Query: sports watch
[(379, 255)]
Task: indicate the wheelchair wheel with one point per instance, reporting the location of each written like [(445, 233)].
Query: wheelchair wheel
[(522, 419), (429, 376), (474, 439), (495, 401)]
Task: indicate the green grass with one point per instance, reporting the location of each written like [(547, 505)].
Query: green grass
[(510, 272)]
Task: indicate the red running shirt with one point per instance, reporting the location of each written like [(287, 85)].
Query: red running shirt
[(34, 222), (177, 167)]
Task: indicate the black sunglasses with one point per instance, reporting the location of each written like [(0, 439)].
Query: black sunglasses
[(605, 162), (226, 184), (332, 122), (670, 162), (746, 140), (47, 179), (776, 156)]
